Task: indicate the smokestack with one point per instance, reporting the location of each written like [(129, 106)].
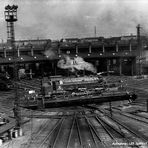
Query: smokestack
[(138, 33), (139, 48), (95, 31)]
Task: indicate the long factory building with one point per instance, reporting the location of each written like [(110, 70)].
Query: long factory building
[(124, 55)]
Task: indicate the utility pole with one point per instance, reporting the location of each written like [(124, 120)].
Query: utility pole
[(10, 18)]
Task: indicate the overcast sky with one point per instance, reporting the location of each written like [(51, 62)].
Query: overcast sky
[(56, 19)]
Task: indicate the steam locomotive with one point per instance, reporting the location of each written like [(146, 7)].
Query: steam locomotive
[(72, 91)]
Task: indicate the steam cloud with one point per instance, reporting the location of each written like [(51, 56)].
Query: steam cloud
[(77, 63), (50, 53), (72, 64)]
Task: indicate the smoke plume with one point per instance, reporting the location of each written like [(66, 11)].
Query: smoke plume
[(50, 53), (72, 64), (76, 63)]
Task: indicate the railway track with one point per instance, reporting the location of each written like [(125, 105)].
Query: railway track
[(127, 124), (141, 114), (86, 128), (35, 84), (7, 97), (98, 130), (131, 115), (80, 130)]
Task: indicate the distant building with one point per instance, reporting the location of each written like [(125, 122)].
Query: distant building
[(123, 55)]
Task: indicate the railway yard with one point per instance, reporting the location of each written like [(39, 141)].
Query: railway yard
[(82, 90), (125, 124)]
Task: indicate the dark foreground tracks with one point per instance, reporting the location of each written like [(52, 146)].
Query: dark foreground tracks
[(84, 129)]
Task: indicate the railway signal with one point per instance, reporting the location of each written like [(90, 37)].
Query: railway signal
[(11, 17)]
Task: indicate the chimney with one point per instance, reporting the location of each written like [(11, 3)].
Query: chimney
[(138, 33)]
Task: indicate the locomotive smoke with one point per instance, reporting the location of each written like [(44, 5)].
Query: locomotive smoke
[(76, 63), (72, 64), (50, 53)]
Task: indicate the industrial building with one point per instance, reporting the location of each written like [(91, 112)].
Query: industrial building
[(125, 55)]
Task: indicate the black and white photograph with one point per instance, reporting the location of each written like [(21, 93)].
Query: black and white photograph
[(73, 74)]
